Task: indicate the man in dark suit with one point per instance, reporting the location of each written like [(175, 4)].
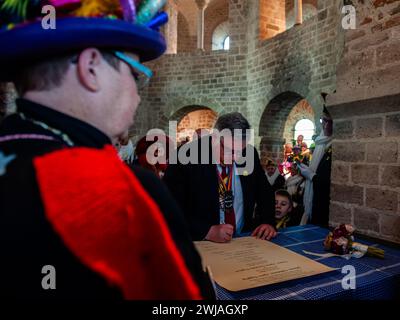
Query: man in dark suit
[(221, 197)]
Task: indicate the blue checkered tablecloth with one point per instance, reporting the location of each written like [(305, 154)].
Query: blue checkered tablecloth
[(375, 278)]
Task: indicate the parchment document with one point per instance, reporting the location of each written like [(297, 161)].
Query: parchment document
[(248, 262)]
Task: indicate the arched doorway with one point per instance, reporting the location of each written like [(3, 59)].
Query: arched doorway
[(192, 118), (277, 124), (300, 121)]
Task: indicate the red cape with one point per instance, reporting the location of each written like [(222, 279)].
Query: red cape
[(105, 217)]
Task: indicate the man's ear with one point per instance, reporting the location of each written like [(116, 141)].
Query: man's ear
[(89, 64)]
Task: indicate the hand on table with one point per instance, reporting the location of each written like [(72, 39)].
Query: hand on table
[(264, 232), (220, 233)]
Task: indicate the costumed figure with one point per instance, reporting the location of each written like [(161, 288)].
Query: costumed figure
[(67, 201), (295, 185), (317, 190)]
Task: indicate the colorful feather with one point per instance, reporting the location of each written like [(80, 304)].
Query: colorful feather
[(65, 5), (160, 19), (148, 9), (143, 12), (18, 7), (128, 10), (96, 8)]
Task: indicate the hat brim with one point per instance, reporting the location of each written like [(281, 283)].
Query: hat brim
[(31, 42)]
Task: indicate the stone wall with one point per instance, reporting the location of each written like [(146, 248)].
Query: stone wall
[(217, 80), (186, 41), (366, 110), (272, 19), (297, 64), (265, 79)]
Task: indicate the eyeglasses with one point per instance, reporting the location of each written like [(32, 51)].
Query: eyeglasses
[(141, 73)]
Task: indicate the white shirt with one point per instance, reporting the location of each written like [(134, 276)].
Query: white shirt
[(237, 201)]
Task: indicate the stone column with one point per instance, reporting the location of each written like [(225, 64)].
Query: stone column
[(171, 28), (298, 11), (202, 5)]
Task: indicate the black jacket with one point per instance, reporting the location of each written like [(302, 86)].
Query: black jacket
[(278, 184), (195, 187), (28, 240), (322, 190)]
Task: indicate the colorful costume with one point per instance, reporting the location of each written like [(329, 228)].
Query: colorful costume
[(66, 199)]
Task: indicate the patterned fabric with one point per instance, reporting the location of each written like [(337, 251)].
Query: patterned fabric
[(225, 185), (375, 278)]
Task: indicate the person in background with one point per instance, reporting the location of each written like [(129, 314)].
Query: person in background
[(288, 149), (275, 179), (295, 185), (144, 155), (318, 175), (285, 215), (299, 140), (218, 202), (305, 154)]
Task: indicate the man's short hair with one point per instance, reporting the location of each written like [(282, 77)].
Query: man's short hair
[(284, 193), (232, 121), (49, 74)]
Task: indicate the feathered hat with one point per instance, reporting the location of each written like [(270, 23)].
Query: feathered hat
[(128, 25)]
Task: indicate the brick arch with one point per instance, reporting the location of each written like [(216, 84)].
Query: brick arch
[(272, 124), (176, 106), (184, 111), (191, 118), (302, 110)]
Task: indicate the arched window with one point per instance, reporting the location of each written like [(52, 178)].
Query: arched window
[(220, 37), (306, 128), (226, 43)]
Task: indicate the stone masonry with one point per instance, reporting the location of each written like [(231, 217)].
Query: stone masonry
[(269, 70), (366, 111)]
